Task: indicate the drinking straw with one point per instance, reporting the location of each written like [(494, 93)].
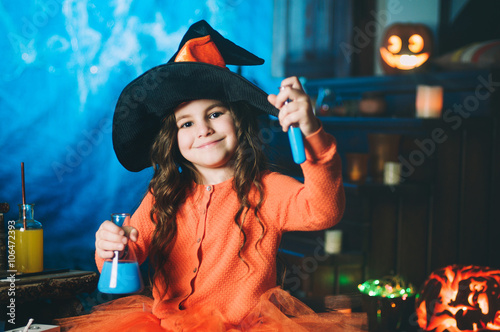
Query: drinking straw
[(24, 195)]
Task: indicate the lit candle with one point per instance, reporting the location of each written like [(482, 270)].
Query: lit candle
[(357, 166), (429, 101)]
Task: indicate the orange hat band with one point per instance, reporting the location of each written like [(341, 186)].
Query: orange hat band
[(201, 49)]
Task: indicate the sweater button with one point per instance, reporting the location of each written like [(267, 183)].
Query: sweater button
[(209, 188), (195, 269), (198, 240)]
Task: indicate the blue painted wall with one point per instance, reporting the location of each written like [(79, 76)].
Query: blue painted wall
[(62, 66)]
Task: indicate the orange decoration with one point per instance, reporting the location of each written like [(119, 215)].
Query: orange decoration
[(201, 49), (460, 298), (405, 47)]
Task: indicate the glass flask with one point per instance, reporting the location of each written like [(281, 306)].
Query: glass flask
[(121, 275), (28, 241)]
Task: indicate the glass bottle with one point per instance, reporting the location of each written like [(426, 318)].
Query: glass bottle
[(121, 275), (28, 241)]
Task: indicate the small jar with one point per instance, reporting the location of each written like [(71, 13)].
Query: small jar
[(28, 241)]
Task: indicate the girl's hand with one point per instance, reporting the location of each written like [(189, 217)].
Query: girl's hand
[(298, 111), (109, 237)]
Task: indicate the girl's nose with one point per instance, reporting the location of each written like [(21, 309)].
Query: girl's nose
[(204, 129)]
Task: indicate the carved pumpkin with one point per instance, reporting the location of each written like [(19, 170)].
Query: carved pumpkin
[(460, 298), (405, 47)]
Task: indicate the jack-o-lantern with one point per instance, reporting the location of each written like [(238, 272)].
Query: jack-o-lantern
[(460, 298), (405, 47)]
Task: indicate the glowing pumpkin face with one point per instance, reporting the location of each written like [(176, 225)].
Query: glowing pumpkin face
[(460, 298), (405, 47)]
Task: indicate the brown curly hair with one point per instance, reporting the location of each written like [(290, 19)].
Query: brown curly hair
[(170, 185)]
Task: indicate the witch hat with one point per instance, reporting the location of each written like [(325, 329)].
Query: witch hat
[(196, 71)]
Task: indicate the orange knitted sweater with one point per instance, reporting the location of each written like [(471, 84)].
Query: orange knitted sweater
[(204, 267)]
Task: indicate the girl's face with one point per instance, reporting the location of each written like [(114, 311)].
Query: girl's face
[(206, 134)]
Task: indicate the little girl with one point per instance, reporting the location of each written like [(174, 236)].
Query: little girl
[(212, 219)]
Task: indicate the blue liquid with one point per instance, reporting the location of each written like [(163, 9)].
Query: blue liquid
[(297, 144), (128, 278)]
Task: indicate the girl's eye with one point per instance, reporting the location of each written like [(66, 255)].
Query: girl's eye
[(215, 115), (186, 124)]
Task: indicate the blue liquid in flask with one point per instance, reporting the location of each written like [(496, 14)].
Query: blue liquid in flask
[(127, 278), (120, 276)]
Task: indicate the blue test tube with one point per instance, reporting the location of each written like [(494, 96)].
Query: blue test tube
[(296, 141), (297, 144)]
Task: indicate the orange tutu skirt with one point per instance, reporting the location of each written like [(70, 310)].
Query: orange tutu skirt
[(276, 311)]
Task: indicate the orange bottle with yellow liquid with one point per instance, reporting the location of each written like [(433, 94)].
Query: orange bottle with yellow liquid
[(28, 241)]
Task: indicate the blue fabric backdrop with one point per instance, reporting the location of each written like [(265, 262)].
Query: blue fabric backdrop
[(63, 64)]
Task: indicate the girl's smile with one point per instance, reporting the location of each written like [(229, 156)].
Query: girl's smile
[(209, 144), (207, 137)]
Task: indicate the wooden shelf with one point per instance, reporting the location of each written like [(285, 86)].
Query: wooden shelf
[(383, 189), (391, 125), (466, 80), (399, 91), (295, 244)]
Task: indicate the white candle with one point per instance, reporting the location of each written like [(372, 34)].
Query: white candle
[(392, 173), (333, 241), (429, 101)]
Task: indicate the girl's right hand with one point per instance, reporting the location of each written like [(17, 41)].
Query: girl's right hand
[(109, 237), (295, 107)]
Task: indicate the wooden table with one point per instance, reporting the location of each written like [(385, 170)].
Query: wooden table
[(43, 296)]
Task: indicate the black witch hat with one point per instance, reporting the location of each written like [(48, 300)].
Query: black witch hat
[(196, 71)]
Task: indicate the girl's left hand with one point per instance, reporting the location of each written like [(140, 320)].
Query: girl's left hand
[(298, 111)]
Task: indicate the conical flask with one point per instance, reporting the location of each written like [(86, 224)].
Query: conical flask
[(121, 275)]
